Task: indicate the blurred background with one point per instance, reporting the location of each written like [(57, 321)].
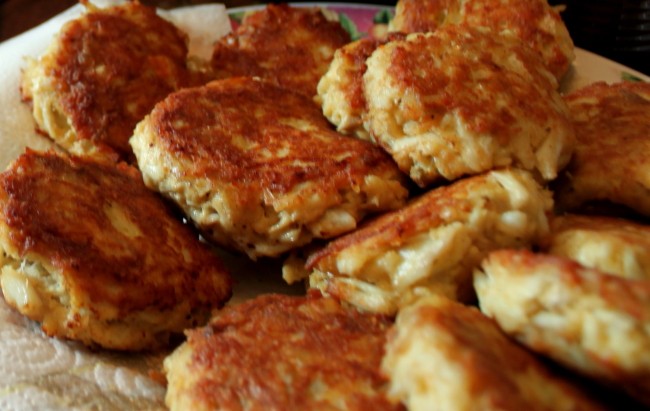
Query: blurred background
[(616, 29)]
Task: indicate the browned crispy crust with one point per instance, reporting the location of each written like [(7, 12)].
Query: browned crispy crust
[(612, 124), (533, 22), (355, 55), (416, 16), (479, 360), (111, 67), (614, 245), (600, 320), (205, 139), (112, 241), (282, 166), (341, 91), (278, 352), (290, 46)]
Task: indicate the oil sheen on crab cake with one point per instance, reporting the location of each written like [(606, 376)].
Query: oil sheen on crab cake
[(592, 322), (448, 354), (258, 168), (533, 22), (612, 124), (432, 245), (94, 256), (340, 89), (102, 74), (290, 46), (613, 245), (279, 352), (461, 101)]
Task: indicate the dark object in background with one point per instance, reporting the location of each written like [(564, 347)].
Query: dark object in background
[(616, 29)]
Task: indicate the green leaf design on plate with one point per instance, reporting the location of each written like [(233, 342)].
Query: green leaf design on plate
[(625, 76), (238, 16), (383, 16), (350, 27)]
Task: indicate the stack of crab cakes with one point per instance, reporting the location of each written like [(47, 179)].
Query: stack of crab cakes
[(432, 245), (454, 102), (260, 177), (414, 171)]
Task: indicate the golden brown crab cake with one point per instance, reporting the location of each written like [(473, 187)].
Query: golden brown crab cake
[(102, 74), (258, 169), (278, 352), (460, 101), (533, 22), (595, 323), (340, 89), (613, 245), (289, 46), (612, 124), (444, 353), (432, 245), (93, 255)]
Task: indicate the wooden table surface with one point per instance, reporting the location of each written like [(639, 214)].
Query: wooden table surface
[(623, 34)]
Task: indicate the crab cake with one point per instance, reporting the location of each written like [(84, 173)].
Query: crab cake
[(612, 124), (258, 169), (102, 74), (593, 322), (533, 22), (93, 255), (432, 245), (289, 46), (614, 245), (340, 90), (461, 101), (278, 353), (444, 353)]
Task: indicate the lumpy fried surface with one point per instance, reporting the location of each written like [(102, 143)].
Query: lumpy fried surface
[(431, 245), (103, 73), (282, 353), (586, 319), (533, 22), (341, 90), (461, 101), (444, 353), (614, 245), (92, 254), (612, 125), (289, 46), (258, 168)]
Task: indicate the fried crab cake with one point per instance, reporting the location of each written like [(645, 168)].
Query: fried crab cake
[(595, 323), (93, 255), (340, 90), (533, 22), (612, 124), (258, 169), (102, 74), (613, 245), (278, 353), (460, 101), (432, 245), (289, 46), (444, 353)]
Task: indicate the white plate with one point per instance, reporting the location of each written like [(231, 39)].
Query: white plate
[(40, 373)]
